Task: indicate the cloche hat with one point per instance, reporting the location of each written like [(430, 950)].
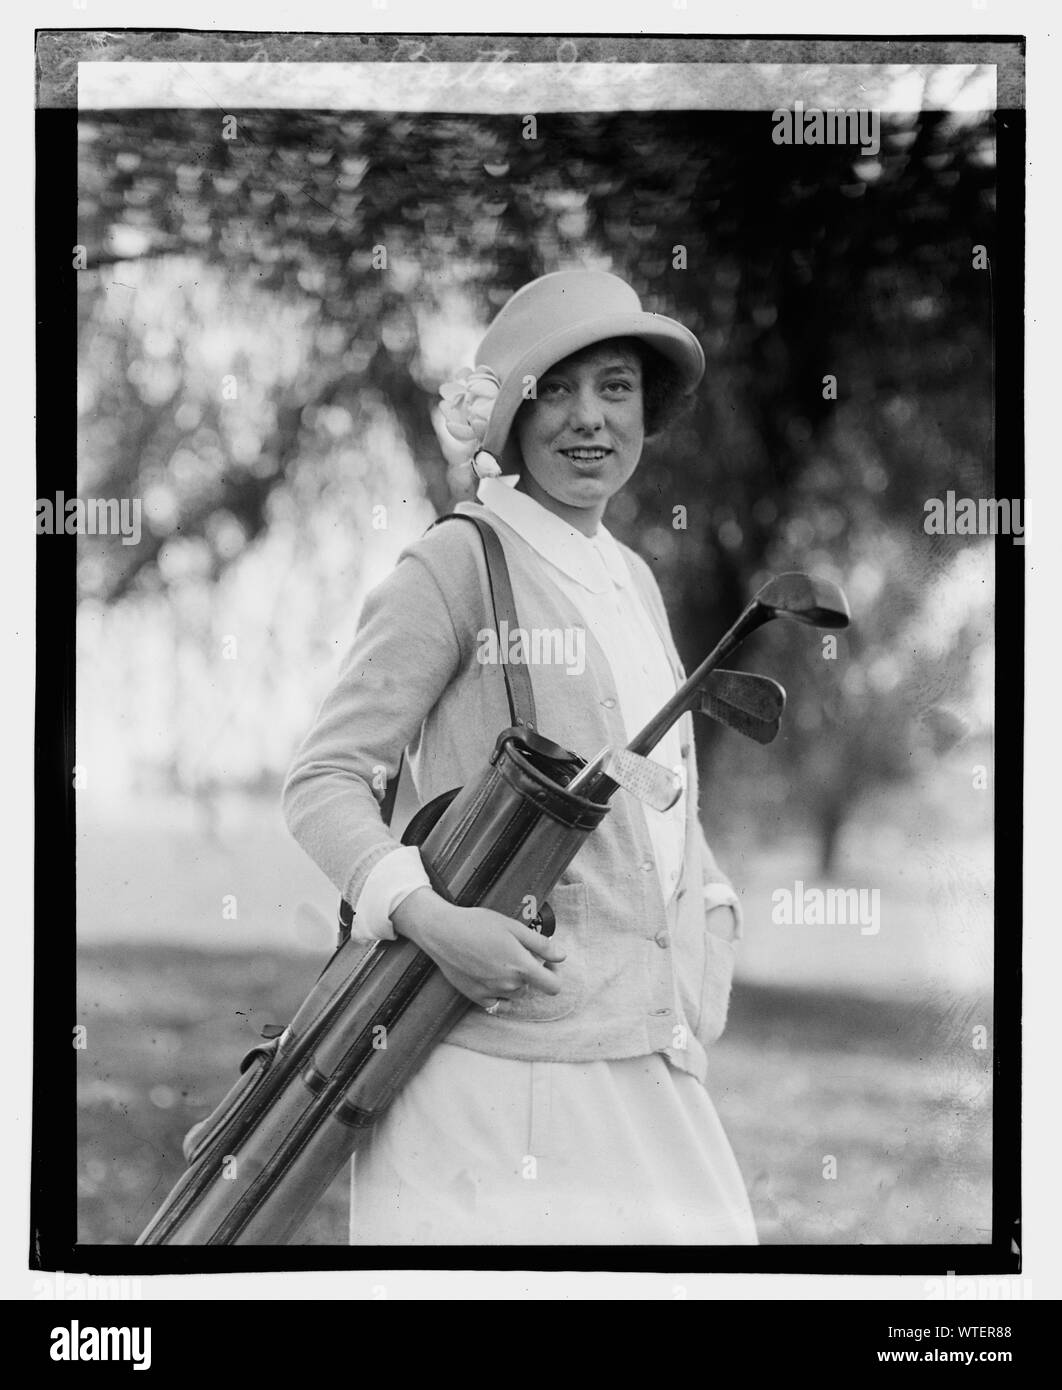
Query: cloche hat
[(546, 321)]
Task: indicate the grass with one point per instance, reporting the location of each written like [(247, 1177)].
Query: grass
[(892, 1092)]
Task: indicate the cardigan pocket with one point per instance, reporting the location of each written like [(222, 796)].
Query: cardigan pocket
[(716, 982), (569, 904)]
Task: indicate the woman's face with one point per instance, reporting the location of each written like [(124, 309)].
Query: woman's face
[(582, 437)]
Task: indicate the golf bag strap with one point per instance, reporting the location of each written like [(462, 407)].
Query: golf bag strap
[(518, 689), (517, 677)]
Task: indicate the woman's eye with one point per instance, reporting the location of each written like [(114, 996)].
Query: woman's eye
[(550, 388), (619, 386)]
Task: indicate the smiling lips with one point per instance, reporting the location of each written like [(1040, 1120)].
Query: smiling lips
[(586, 455)]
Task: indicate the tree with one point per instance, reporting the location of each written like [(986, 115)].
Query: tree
[(321, 257)]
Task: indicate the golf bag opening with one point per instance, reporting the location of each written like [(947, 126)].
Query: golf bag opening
[(528, 761)]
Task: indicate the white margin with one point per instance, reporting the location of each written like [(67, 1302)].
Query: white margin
[(1043, 962)]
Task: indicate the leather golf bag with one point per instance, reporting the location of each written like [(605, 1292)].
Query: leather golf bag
[(306, 1100)]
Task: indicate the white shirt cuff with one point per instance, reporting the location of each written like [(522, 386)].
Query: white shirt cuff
[(390, 881), (722, 895)]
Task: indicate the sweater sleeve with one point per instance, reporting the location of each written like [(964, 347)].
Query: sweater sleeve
[(405, 652), (390, 881), (718, 890)]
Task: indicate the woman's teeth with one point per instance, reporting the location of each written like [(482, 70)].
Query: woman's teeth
[(588, 455)]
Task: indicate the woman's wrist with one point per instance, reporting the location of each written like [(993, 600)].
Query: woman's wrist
[(417, 916)]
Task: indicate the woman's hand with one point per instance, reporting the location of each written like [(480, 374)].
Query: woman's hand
[(482, 953), (721, 921)]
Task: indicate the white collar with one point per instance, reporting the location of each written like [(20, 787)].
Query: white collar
[(595, 561)]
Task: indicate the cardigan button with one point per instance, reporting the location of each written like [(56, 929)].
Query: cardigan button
[(660, 1013), (609, 702), (662, 940), (646, 865)]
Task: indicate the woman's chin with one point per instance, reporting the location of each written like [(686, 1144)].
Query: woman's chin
[(597, 482), (588, 492), (580, 489)]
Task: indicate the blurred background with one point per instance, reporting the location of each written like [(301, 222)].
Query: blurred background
[(252, 373)]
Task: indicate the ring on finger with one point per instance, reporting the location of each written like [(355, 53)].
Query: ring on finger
[(492, 1008)]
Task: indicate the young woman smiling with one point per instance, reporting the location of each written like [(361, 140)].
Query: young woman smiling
[(570, 1106)]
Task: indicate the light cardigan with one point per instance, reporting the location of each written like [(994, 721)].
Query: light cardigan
[(592, 573), (642, 974)]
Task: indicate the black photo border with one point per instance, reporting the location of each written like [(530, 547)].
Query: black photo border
[(53, 1241)]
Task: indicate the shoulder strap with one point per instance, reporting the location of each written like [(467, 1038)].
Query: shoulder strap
[(517, 678), (518, 689)]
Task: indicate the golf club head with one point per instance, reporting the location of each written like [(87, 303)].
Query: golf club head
[(817, 602), (651, 782), (750, 704), (756, 695)]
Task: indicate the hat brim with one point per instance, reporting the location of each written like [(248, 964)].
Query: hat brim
[(667, 336)]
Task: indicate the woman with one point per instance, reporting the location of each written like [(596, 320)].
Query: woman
[(569, 1106)]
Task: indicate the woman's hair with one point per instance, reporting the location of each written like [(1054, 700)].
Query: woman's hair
[(664, 395)]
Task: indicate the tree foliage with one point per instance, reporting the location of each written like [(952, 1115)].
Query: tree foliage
[(790, 263)]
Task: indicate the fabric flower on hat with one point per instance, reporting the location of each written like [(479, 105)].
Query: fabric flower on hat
[(466, 406)]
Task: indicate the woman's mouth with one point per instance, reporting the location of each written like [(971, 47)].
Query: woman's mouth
[(586, 454)]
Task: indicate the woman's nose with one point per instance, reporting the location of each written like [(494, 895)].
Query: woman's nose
[(586, 411)]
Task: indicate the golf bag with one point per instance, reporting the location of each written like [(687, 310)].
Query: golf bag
[(306, 1100)]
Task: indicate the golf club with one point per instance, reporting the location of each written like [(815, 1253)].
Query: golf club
[(588, 772), (656, 785), (752, 705), (748, 703), (652, 783), (798, 597)]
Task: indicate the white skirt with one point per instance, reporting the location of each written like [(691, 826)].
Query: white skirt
[(483, 1150)]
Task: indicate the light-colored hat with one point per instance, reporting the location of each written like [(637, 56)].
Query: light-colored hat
[(543, 323)]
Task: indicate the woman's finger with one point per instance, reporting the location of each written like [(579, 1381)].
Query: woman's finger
[(543, 946), (538, 977)]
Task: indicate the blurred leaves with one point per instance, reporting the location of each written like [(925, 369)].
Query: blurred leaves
[(254, 261)]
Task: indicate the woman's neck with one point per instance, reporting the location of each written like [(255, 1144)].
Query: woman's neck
[(584, 519)]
